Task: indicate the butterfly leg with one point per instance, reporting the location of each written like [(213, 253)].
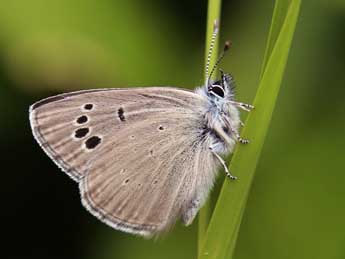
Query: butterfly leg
[(238, 137), (243, 106), (235, 132), (221, 160)]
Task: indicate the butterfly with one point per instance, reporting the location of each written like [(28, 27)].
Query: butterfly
[(143, 157)]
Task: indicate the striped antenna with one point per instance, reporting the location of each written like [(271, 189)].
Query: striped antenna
[(226, 48), (213, 39)]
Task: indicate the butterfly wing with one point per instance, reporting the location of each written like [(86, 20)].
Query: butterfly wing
[(151, 157), (61, 123)]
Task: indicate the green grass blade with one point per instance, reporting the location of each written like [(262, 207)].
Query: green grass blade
[(224, 226), (213, 14), (279, 14)]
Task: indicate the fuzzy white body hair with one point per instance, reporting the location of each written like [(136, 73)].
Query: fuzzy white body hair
[(222, 120), (221, 114)]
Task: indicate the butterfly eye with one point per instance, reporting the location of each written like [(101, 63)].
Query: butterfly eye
[(217, 90)]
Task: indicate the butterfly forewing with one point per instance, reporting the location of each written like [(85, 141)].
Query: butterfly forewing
[(63, 123), (134, 151)]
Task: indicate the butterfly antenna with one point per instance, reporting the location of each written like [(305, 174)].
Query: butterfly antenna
[(226, 48), (213, 39)]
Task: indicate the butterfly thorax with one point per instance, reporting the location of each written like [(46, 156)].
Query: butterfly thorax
[(222, 118)]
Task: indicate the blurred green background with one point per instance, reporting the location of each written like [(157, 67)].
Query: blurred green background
[(296, 207)]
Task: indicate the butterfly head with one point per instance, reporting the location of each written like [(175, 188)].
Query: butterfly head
[(222, 89)]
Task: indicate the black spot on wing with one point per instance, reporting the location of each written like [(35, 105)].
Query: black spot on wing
[(61, 97), (82, 132), (82, 119), (92, 142), (121, 114), (88, 106)]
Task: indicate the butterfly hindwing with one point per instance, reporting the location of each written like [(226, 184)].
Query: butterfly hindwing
[(142, 189)]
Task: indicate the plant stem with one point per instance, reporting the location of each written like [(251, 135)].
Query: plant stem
[(213, 14), (222, 232)]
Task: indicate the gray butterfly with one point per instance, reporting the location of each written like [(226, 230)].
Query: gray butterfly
[(143, 157)]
